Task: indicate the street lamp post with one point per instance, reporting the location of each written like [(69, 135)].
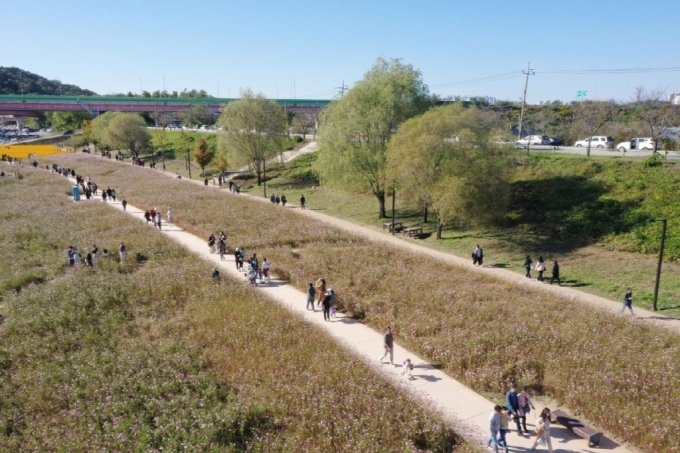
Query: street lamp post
[(664, 223)]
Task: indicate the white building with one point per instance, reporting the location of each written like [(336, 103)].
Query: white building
[(674, 98)]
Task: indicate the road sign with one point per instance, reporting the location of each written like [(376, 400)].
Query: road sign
[(579, 94)]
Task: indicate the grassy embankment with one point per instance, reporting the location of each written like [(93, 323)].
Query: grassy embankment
[(588, 214), (151, 355), (485, 332)]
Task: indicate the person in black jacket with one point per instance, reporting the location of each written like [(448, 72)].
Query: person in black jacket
[(326, 302), (556, 274)]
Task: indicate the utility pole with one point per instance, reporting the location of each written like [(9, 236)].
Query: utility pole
[(528, 72), (342, 89), (21, 85)]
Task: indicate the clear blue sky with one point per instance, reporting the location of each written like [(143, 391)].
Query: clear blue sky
[(109, 45)]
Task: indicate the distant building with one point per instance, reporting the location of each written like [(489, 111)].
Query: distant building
[(674, 98)]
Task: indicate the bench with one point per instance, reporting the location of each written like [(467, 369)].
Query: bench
[(581, 430), (412, 232), (398, 226)]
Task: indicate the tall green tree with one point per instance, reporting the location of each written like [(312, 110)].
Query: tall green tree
[(64, 121), (356, 130), (203, 154), (447, 160), (118, 130), (252, 128)]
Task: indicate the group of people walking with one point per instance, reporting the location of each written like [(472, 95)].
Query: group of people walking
[(541, 267), (323, 296), (276, 199), (154, 216), (517, 406)]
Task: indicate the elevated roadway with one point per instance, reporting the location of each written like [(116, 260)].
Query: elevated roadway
[(30, 105)]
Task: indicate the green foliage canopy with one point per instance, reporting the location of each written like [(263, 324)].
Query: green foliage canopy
[(356, 130)]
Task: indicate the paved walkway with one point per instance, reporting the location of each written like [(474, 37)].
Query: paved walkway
[(467, 409)]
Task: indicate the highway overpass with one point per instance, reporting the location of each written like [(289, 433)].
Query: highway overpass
[(30, 105)]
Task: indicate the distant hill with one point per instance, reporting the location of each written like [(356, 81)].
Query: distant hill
[(13, 80)]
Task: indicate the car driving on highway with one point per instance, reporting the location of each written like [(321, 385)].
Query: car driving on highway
[(636, 143)]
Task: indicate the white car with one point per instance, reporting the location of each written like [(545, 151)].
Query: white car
[(636, 143), (533, 140), (596, 141)]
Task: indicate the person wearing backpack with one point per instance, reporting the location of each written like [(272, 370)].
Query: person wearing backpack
[(478, 256), (628, 301), (283, 200)]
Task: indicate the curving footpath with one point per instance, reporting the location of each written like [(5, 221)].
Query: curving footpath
[(468, 410)]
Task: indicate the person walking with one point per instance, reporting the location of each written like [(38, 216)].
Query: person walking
[(478, 256), (95, 252), (113, 194), (205, 182), (237, 255), (223, 249), (494, 427), (123, 252), (504, 429), (527, 265), (277, 200), (320, 290), (170, 215), (332, 291), (302, 202), (158, 220), (273, 198), (311, 292), (124, 203), (147, 217), (326, 303), (407, 368), (627, 301), (525, 406), (542, 431), (540, 267), (266, 266), (512, 403), (211, 243), (76, 256), (555, 274), (388, 344), (103, 195), (88, 260), (283, 200)]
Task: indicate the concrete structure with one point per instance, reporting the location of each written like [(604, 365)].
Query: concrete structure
[(674, 98), (30, 105)]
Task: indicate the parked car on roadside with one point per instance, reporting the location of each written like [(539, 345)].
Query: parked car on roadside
[(533, 140), (596, 141), (636, 143), (556, 141)]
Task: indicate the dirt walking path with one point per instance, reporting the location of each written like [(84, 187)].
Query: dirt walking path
[(467, 410), (572, 294)]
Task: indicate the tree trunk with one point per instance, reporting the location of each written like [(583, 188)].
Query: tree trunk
[(425, 215), (440, 225), (588, 149), (380, 195)]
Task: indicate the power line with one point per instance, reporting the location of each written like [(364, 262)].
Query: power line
[(492, 78), (342, 89), (608, 71)]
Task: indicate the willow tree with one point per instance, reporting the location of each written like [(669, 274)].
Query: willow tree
[(356, 130), (252, 128), (447, 160)]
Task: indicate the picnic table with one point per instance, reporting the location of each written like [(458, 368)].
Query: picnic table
[(398, 226), (412, 232)]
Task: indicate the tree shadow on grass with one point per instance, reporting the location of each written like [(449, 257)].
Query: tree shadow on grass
[(563, 213)]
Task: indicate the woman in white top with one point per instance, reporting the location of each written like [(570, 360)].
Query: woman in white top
[(543, 430), (170, 213)]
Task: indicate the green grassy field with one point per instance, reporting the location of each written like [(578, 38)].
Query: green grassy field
[(151, 355), (588, 214)]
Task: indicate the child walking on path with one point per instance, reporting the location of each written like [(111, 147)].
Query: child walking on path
[(407, 368)]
